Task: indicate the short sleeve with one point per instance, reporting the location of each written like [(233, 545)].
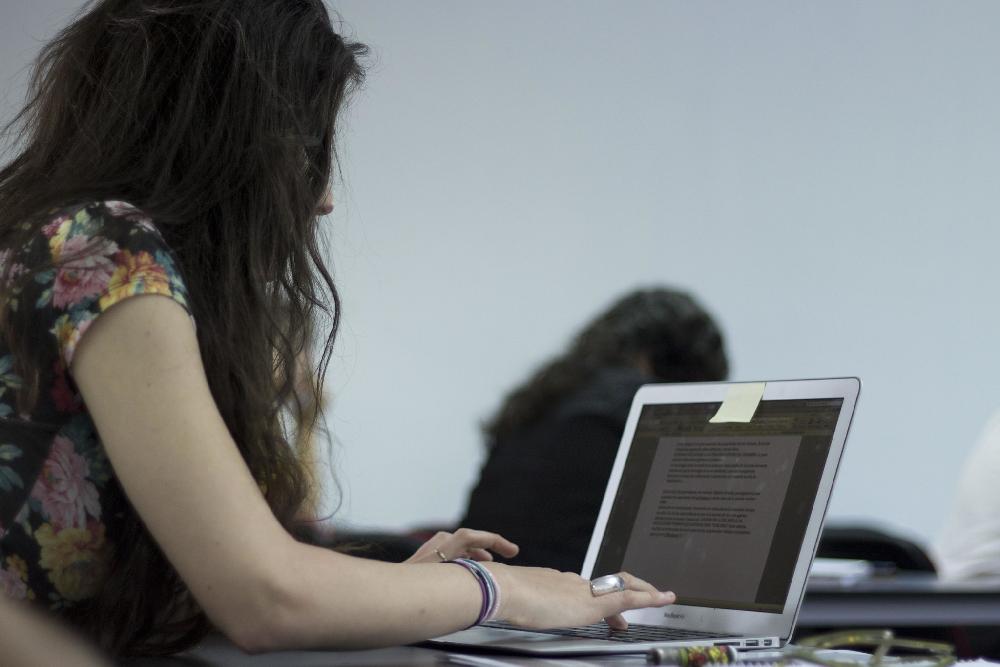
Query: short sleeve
[(101, 254)]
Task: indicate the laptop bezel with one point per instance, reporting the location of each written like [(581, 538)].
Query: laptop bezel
[(734, 622)]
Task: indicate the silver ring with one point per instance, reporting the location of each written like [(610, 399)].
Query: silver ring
[(609, 583), (444, 559)]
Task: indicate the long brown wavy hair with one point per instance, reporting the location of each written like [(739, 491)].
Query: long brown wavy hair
[(217, 118), (668, 330)]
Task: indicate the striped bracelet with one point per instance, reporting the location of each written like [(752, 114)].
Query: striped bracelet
[(487, 586)]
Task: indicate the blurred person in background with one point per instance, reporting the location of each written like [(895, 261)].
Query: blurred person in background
[(553, 440), (969, 547)]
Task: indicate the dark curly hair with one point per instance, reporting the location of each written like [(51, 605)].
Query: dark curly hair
[(665, 329), (217, 118)]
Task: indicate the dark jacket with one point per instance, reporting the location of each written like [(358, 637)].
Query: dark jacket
[(541, 487)]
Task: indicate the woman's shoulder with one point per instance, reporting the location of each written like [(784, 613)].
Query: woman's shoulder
[(104, 246), (99, 253), (83, 223), (608, 394)]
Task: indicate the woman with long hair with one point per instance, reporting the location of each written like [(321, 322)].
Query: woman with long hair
[(551, 444), (181, 151)]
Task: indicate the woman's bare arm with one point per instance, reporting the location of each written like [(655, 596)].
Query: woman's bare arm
[(140, 372), (32, 640)]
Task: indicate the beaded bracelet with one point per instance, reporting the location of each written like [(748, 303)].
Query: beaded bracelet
[(487, 586)]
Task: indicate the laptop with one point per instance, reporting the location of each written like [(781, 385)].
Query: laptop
[(718, 493)]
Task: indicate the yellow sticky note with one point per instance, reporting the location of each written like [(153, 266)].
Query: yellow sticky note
[(740, 404)]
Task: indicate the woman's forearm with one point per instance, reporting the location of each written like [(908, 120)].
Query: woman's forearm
[(328, 599), (30, 638)]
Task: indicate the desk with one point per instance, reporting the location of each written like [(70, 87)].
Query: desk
[(966, 614), (218, 652), (901, 602), (916, 600)]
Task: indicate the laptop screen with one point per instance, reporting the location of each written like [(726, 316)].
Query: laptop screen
[(717, 512)]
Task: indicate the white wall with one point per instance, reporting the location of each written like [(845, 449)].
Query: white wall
[(823, 175)]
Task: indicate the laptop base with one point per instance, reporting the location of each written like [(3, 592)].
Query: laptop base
[(528, 642)]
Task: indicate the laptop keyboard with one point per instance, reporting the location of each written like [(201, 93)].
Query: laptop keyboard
[(636, 633)]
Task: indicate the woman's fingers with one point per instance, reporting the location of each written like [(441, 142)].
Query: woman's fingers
[(541, 598), (426, 552), (481, 539), (636, 584), (464, 543), (617, 622), (638, 594)]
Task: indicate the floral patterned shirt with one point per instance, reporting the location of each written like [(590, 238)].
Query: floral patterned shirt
[(60, 506)]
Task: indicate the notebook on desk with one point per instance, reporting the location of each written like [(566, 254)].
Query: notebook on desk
[(718, 493)]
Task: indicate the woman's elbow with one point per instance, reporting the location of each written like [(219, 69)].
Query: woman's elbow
[(259, 618)]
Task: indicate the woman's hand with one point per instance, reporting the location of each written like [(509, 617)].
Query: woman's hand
[(534, 597), (463, 543)]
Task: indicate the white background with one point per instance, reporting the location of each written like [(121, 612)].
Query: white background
[(822, 174)]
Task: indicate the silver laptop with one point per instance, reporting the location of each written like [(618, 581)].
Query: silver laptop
[(718, 493)]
